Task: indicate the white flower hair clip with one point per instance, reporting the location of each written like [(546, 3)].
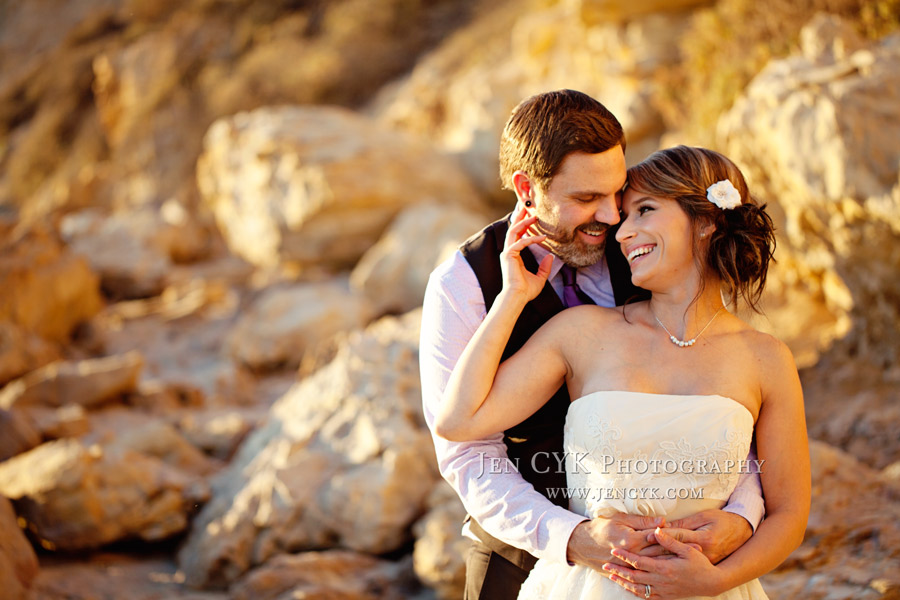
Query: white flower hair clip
[(723, 194)]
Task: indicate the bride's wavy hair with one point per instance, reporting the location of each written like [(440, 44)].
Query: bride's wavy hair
[(742, 244)]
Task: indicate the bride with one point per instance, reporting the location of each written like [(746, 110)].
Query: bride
[(668, 392)]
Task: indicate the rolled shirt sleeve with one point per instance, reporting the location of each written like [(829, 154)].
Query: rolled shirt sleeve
[(747, 500)]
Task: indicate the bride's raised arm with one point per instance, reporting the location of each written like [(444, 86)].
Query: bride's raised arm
[(484, 397)]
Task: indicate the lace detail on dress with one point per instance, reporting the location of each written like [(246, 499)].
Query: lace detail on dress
[(624, 452), (650, 476)]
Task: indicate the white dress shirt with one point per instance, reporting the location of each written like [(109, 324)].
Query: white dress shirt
[(503, 503)]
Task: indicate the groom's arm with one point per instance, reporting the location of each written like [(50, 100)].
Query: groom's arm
[(492, 491), (720, 532)]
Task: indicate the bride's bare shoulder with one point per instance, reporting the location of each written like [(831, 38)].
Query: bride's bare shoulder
[(581, 315), (580, 322), (772, 358)]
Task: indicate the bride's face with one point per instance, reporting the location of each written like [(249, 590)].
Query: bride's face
[(656, 238)]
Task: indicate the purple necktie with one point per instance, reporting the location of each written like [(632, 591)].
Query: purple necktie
[(572, 294)]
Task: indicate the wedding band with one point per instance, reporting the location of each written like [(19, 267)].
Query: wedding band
[(646, 590)]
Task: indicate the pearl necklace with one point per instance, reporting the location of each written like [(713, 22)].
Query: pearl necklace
[(684, 343)]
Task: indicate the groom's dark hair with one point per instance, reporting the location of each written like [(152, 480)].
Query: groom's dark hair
[(543, 129)]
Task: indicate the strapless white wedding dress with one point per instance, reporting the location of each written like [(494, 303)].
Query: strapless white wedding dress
[(646, 454)]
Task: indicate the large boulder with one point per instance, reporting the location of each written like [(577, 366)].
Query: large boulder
[(285, 322), (46, 290), (316, 185), (394, 272), (343, 459), (73, 496), (817, 135), (18, 562)]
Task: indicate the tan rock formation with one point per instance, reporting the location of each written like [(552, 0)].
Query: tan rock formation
[(181, 336), (852, 404), (86, 383), (219, 431), (602, 11), (46, 290), (394, 272), (439, 556), (21, 351), (329, 575), (17, 433), (70, 420), (152, 123), (120, 248), (113, 575), (850, 549), (818, 135), (460, 95), (343, 459), (74, 496), (285, 322), (316, 185), (18, 563), (119, 430)]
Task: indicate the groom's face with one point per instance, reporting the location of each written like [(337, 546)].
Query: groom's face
[(580, 204)]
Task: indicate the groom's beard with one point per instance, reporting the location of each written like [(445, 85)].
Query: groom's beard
[(566, 245)]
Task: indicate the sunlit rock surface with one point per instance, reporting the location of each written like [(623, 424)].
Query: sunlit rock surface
[(86, 383), (460, 95), (46, 289), (74, 496), (284, 322), (817, 134), (317, 184), (22, 351), (394, 272), (333, 574), (343, 459), (18, 562)]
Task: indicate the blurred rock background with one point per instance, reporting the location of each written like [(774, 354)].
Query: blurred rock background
[(217, 218)]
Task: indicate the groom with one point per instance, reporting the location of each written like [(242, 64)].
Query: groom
[(562, 153)]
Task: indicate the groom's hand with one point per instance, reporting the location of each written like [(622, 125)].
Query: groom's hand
[(718, 533), (592, 541)]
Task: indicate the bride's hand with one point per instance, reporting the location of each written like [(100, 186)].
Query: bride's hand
[(518, 281), (687, 572)]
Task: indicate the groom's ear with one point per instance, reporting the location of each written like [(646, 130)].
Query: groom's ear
[(523, 186)]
